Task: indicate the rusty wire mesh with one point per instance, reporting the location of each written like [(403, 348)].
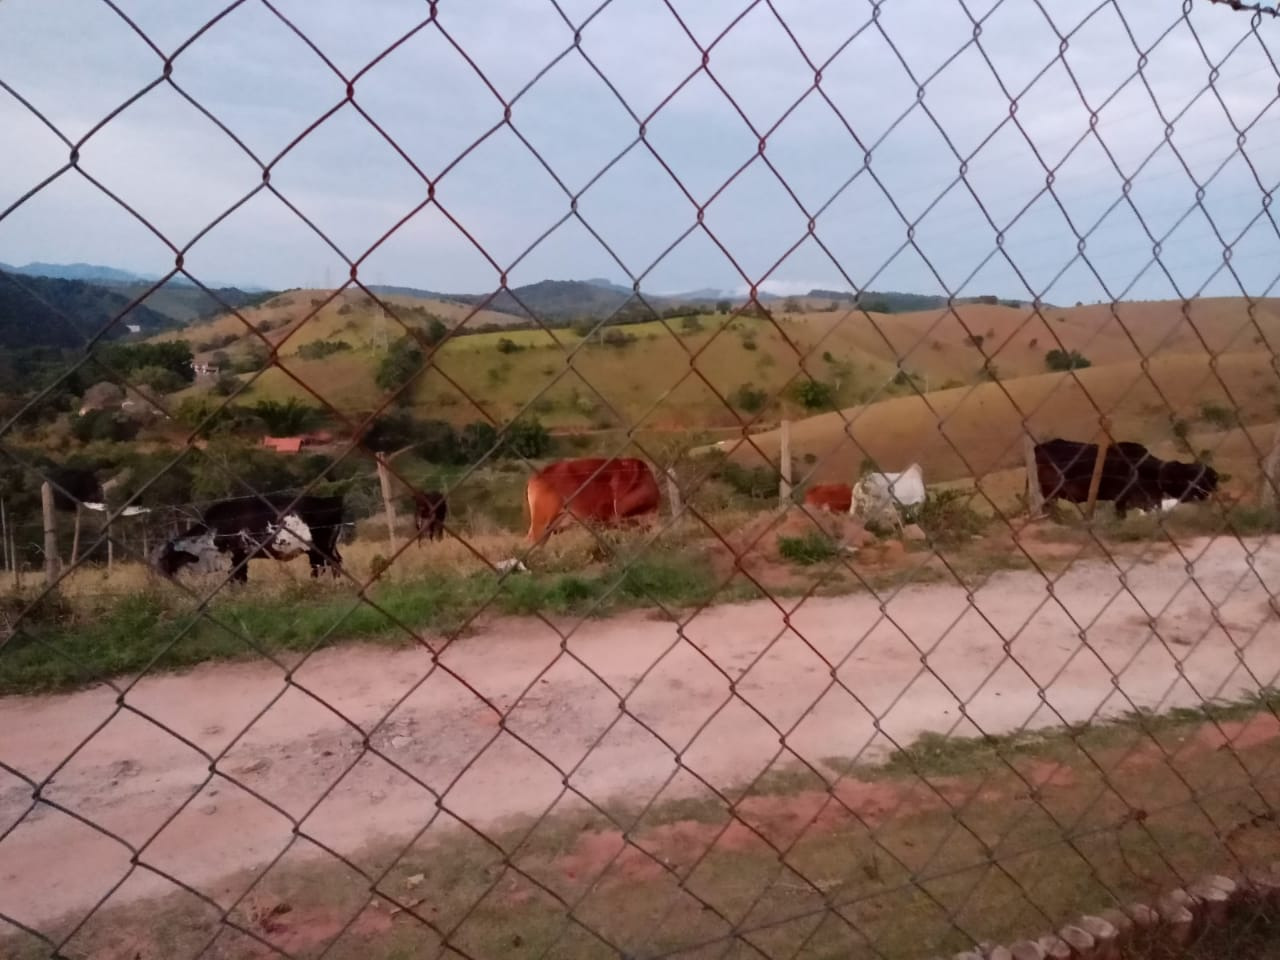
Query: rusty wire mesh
[(718, 848)]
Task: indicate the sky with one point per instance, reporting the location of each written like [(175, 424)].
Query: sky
[(683, 144)]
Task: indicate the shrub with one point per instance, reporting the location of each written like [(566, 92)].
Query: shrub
[(286, 418), (226, 385), (1218, 416), (813, 394), (507, 345), (723, 306), (691, 324), (749, 343), (1062, 360), (749, 398), (527, 438), (977, 339), (108, 425), (614, 337), (756, 483), (791, 305), (948, 518), (807, 549), (159, 379), (319, 349)]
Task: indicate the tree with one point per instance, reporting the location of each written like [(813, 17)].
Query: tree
[(102, 396), (401, 365), (476, 440), (792, 305), (507, 345), (723, 306)]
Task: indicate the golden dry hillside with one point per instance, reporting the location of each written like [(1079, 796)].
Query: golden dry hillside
[(714, 372), (978, 430)]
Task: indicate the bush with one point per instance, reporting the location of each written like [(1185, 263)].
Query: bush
[(947, 517), (723, 306), (507, 345), (159, 379), (748, 342), (226, 385), (813, 394), (105, 425), (1214, 414), (807, 549), (319, 349), (691, 324), (528, 439), (1059, 361), (286, 418), (749, 398), (756, 483), (618, 338)]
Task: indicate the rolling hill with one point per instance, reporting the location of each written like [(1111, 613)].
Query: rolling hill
[(43, 312)]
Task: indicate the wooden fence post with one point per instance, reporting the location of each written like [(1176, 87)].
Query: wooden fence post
[(1095, 480), (673, 494), (51, 562), (75, 537), (1270, 470), (384, 480), (4, 538), (1035, 497), (784, 461)]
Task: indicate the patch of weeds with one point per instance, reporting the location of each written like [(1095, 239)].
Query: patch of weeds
[(947, 517), (807, 549)]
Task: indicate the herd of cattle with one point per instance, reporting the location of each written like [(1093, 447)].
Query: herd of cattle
[(617, 491)]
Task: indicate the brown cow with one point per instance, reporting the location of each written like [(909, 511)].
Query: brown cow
[(832, 497), (606, 491), (430, 511)]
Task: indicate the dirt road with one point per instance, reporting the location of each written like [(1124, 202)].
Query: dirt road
[(132, 775)]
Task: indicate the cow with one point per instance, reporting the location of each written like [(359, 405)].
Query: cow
[(591, 489), (1131, 475), (430, 511), (878, 498), (280, 526), (831, 497)]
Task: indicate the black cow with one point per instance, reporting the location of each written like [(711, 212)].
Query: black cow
[(272, 525), (1131, 475), (430, 511)]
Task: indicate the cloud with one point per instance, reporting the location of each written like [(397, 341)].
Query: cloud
[(992, 162)]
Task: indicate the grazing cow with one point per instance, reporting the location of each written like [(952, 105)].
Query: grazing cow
[(879, 497), (831, 497), (607, 491), (271, 525), (430, 511), (1131, 476)]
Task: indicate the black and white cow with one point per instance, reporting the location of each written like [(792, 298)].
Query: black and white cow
[(272, 525)]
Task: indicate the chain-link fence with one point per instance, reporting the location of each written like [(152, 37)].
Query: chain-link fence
[(908, 592)]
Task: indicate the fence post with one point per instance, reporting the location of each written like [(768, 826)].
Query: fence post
[(51, 563), (1270, 468), (1035, 497), (673, 494), (1095, 480), (384, 480), (75, 537), (4, 538), (784, 461)]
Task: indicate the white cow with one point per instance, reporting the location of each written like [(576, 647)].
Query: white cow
[(878, 498)]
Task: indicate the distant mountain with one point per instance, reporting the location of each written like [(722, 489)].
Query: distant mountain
[(397, 291), (44, 312), (75, 271)]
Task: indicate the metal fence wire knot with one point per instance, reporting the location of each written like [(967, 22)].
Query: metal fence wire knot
[(564, 479)]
